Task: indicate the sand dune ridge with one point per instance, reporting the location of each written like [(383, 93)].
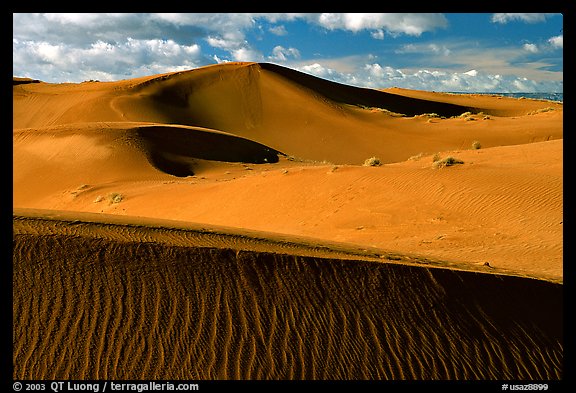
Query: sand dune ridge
[(150, 310)]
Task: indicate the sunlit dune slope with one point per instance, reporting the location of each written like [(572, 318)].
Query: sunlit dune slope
[(503, 205), (91, 304), (100, 152), (217, 145)]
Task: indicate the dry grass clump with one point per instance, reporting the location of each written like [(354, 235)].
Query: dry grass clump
[(115, 197), (431, 115), (417, 157), (372, 161), (541, 110), (448, 161), (382, 110), (476, 145), (465, 116)]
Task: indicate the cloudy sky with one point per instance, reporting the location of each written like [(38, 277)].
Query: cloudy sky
[(441, 52)]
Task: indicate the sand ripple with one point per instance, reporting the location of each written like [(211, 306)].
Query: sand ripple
[(86, 306)]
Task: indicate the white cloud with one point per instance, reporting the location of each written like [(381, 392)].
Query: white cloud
[(278, 30), (377, 76), (223, 43), (82, 19), (377, 34), (72, 42), (220, 22), (557, 41), (424, 48), (463, 55), (552, 43), (439, 49), (532, 48), (76, 47), (318, 70), (281, 54), (246, 54), (411, 24), (102, 60), (376, 71), (528, 18)]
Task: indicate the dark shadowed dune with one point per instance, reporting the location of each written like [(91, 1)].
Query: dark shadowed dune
[(352, 95), (170, 148), (23, 81), (138, 307)]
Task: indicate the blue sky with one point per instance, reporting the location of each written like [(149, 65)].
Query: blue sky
[(441, 52)]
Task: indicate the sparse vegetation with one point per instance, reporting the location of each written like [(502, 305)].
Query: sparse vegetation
[(79, 190), (476, 145), (465, 116), (436, 157), (432, 115), (373, 161), (541, 110), (448, 161), (382, 110), (115, 197), (416, 157)]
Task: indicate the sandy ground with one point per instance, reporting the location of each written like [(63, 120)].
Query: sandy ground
[(227, 210)]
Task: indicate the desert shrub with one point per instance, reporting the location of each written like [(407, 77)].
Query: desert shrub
[(115, 197), (436, 157), (448, 161), (372, 161), (476, 145), (382, 110), (416, 157), (541, 110)]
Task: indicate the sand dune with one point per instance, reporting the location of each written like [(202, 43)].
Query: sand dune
[(146, 309), (299, 115), (219, 223), (503, 205)]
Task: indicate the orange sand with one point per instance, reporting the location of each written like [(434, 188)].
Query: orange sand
[(275, 157)]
